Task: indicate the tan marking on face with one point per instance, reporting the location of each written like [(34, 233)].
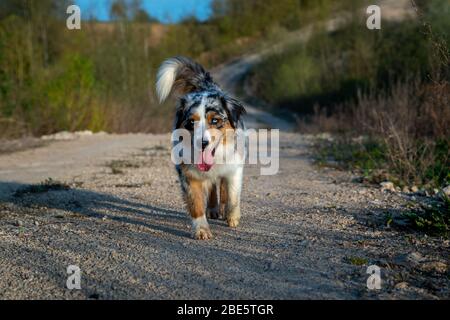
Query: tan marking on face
[(227, 133), (196, 117), (213, 115), (222, 128)]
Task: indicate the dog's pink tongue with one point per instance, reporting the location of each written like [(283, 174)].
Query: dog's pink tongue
[(207, 160)]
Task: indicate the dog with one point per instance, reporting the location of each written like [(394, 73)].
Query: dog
[(213, 119)]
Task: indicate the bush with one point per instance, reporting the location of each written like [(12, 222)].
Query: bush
[(412, 122), (405, 130), (376, 91), (330, 69), (432, 218)]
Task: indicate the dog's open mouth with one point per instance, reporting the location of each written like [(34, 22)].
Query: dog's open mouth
[(206, 160)]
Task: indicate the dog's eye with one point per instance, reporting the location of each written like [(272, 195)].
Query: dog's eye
[(214, 121)]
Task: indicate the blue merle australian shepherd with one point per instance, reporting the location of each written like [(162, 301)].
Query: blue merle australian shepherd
[(210, 187)]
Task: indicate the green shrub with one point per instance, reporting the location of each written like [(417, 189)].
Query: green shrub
[(373, 160), (388, 86), (433, 218), (332, 68)]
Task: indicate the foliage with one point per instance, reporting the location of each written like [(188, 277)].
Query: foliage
[(362, 154), (43, 187), (390, 87), (373, 160), (331, 69), (432, 218), (101, 78)]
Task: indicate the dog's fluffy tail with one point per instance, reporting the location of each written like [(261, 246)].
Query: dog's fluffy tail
[(183, 75)]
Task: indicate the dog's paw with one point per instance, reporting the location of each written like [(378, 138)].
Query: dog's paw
[(233, 222), (213, 213), (234, 217), (203, 234)]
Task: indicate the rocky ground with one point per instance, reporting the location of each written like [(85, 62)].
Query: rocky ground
[(117, 213), (111, 205)]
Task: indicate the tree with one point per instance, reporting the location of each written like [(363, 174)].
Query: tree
[(118, 10)]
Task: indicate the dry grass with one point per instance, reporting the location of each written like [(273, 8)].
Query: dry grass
[(410, 122)]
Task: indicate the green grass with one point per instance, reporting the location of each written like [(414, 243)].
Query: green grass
[(117, 166), (369, 158), (365, 156), (43, 187), (433, 219), (356, 261), (388, 219)]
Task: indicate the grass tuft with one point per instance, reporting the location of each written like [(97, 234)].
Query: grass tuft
[(356, 261), (117, 166), (432, 218), (43, 187)]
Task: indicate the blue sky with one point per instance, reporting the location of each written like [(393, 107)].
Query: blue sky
[(163, 10)]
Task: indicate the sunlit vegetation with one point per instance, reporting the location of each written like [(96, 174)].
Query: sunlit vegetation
[(102, 77), (385, 95)]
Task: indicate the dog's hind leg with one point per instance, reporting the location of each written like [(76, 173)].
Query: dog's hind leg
[(213, 203)]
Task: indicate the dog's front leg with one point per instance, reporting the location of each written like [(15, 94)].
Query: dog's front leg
[(195, 196), (233, 187)]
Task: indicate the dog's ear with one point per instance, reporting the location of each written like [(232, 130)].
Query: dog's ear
[(234, 109), (179, 115)]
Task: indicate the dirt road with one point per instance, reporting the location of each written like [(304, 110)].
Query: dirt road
[(305, 233)]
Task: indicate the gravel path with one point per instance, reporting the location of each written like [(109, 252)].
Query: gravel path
[(304, 234)]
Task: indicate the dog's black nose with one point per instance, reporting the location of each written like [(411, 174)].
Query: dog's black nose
[(204, 144)]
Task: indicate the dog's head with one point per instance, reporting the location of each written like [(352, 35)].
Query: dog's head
[(208, 113), (210, 117)]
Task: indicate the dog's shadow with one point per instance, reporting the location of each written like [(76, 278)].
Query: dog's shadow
[(93, 204)]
